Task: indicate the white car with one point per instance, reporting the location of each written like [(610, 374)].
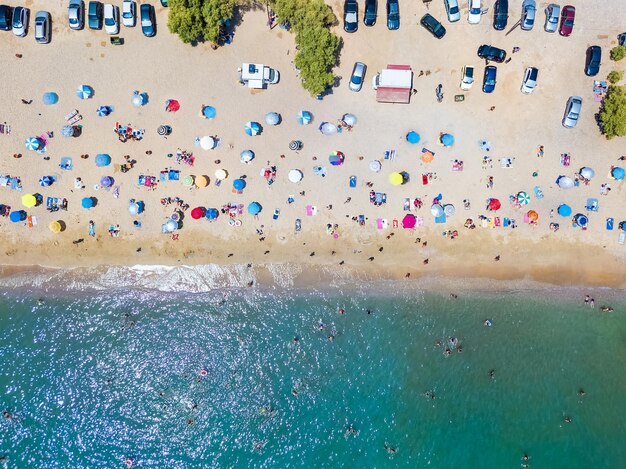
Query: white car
[(452, 9), (468, 78), (529, 83), (129, 13), (111, 19), (475, 12)]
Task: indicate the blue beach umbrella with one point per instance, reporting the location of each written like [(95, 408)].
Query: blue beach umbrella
[(447, 140), (564, 210), (50, 98), (413, 137), (254, 208), (581, 220), (102, 159), (212, 213), (33, 143), (304, 117), (107, 181), (17, 216), (87, 202), (209, 112), (618, 173), (103, 111), (247, 156), (67, 131), (272, 118), (84, 92), (239, 184), (252, 128), (45, 181)]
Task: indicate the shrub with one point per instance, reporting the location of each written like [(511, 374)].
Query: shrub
[(615, 76), (197, 20), (613, 112), (618, 53)]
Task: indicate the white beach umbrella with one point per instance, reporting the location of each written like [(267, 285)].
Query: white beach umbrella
[(295, 175), (375, 165), (349, 119), (207, 142)]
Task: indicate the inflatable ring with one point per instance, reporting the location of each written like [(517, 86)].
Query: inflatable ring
[(231, 222), (96, 187), (203, 372), (237, 222)]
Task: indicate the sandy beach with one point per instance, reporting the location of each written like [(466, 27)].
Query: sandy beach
[(165, 68)]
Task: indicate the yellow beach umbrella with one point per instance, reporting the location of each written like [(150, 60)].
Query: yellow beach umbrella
[(55, 226), (29, 200), (202, 181), (396, 179)]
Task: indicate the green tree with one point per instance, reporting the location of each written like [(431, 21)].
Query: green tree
[(613, 112), (615, 76), (618, 53), (197, 20)]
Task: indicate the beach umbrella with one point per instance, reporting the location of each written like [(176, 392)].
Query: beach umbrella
[(494, 204), (295, 175), (102, 159), (375, 166), (449, 210), (212, 213), (564, 210), (171, 105), (523, 198), (209, 112), (409, 221), (349, 119), (532, 215), (336, 158), (133, 208), (188, 181), (162, 130), (587, 173), (246, 156), (197, 213), (413, 137), (33, 143), (45, 181), (565, 182), (67, 131), (107, 181), (327, 128), (396, 179), (617, 173), (87, 202), (272, 118), (17, 216), (84, 92), (436, 210), (239, 184), (581, 220), (295, 145), (103, 111), (55, 226), (207, 142), (254, 208), (447, 140), (137, 100), (221, 174), (304, 117), (201, 181), (252, 128), (29, 200), (171, 225), (428, 156), (50, 98)]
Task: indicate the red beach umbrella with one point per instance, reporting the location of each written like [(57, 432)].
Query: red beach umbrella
[(494, 204), (197, 213), (172, 105)]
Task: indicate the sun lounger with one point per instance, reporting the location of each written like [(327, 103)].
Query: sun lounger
[(565, 160), (71, 114), (526, 219), (424, 179), (484, 223), (240, 209), (298, 225), (75, 119), (622, 237)]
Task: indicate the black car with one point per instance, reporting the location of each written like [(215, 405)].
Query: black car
[(371, 7), (350, 16), (432, 25), (594, 57), (500, 14), (491, 53), (6, 17)]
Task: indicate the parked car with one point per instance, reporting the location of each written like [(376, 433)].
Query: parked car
[(76, 14), (432, 25), (350, 16), (500, 14), (572, 111), (529, 9), (357, 77), (129, 13), (20, 21), (594, 57), (111, 19), (489, 79), (148, 27), (475, 12), (468, 78), (452, 9), (393, 15), (529, 82), (6, 17), (621, 39), (491, 53), (567, 20), (553, 11), (94, 15), (371, 10), (43, 27)]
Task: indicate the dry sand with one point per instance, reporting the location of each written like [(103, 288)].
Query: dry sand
[(165, 68)]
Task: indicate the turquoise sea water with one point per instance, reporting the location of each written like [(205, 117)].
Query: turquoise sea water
[(92, 379)]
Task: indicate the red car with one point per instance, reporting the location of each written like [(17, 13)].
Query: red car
[(567, 20)]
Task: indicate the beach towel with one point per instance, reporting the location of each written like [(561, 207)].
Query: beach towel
[(505, 222), (381, 223), (457, 166), (491, 223), (526, 219), (484, 223), (66, 163), (424, 179), (440, 219), (407, 204), (496, 221), (565, 159), (352, 181)]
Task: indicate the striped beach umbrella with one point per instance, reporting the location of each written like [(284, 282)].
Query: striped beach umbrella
[(252, 128), (295, 145), (84, 92), (304, 117), (523, 198), (188, 181), (103, 111), (33, 143)]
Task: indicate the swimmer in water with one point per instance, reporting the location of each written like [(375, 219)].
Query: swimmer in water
[(331, 337), (460, 349), (487, 323), (342, 311), (7, 415), (447, 352), (438, 343), (581, 392), (390, 449), (492, 374), (189, 422), (350, 430), (606, 309), (430, 395), (567, 419)]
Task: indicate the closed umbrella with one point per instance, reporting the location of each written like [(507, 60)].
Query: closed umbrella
[(565, 182), (254, 208), (33, 143), (103, 159), (212, 213), (201, 181), (207, 142), (327, 128), (209, 112), (304, 117), (107, 181), (564, 210), (239, 184), (587, 173), (84, 92), (55, 226), (413, 137), (17, 216), (50, 98), (29, 200), (198, 213), (133, 208), (449, 210), (295, 175), (46, 181), (67, 131), (221, 174), (349, 119), (171, 105), (494, 204), (87, 202), (272, 118), (396, 179), (103, 111), (252, 128), (246, 156), (409, 221), (617, 173), (436, 210), (375, 166), (447, 140), (532, 215), (188, 181), (523, 198)]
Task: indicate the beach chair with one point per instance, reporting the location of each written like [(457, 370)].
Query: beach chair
[(71, 114), (621, 239), (298, 225), (361, 220)]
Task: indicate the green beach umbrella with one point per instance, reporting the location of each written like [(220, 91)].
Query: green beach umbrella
[(523, 198), (188, 181)]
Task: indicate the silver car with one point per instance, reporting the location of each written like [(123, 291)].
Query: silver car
[(452, 9), (529, 9), (553, 12), (572, 111), (43, 22), (529, 83), (358, 74)]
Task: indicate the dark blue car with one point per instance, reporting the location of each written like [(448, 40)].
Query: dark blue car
[(147, 19), (393, 15), (369, 18), (350, 16), (489, 80)]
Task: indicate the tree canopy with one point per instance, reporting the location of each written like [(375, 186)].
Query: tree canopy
[(613, 112), (195, 20)]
